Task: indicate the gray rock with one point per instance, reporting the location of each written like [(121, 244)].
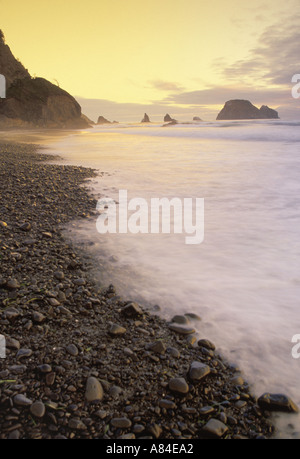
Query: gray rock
[(12, 343), (132, 310), (158, 347), (59, 275), (207, 344), (38, 409), (181, 320), (21, 400), (24, 353), (198, 371), (45, 368), (11, 313), (12, 284), (277, 402), (214, 428), (72, 349), (121, 423), (116, 330), (167, 404), (38, 317), (94, 389), (178, 385), (76, 424)]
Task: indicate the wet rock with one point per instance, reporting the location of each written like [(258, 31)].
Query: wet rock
[(181, 329), (206, 344), (277, 402), (181, 320)]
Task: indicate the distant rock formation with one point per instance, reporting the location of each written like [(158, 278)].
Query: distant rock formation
[(167, 118), (268, 113), (102, 120), (146, 119), (34, 102), (171, 123), (196, 118), (245, 110)]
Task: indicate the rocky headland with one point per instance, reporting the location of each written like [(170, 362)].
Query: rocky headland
[(34, 102)]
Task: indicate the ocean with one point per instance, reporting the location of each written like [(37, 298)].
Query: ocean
[(243, 279)]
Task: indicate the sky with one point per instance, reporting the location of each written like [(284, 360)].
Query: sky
[(121, 58)]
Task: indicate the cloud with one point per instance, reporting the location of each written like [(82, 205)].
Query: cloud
[(166, 85), (274, 60)]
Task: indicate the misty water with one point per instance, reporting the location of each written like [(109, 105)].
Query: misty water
[(244, 278)]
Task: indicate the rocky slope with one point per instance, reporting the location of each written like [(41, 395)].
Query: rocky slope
[(34, 102)]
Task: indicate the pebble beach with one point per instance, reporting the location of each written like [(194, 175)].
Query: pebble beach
[(84, 363)]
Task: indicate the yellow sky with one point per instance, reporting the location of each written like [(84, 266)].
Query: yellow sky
[(132, 50)]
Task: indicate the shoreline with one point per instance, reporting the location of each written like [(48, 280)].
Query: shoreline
[(82, 362)]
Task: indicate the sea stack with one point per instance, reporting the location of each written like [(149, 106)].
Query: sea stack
[(146, 119), (168, 119), (102, 120), (245, 110)]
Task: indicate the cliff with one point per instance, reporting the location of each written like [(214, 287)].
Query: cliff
[(245, 110), (34, 102)]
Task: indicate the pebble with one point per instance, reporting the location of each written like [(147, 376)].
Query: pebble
[(72, 349), (198, 371), (121, 423), (38, 317), (59, 275), (21, 400), (44, 368), (12, 343), (178, 385), (38, 409), (277, 402), (181, 320), (24, 353), (167, 404), (76, 424), (12, 284), (93, 390), (181, 329), (116, 330), (158, 347), (207, 344), (25, 226), (132, 310), (214, 428)]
